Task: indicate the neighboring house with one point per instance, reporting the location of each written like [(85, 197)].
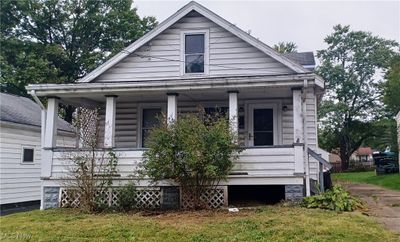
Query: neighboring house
[(362, 154), (196, 58), (323, 153), (20, 151)]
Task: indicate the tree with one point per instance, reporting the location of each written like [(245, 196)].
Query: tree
[(196, 152), (384, 135), (92, 170), (392, 87), (285, 47), (350, 66), (59, 41)]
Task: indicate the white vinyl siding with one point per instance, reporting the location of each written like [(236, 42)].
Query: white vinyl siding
[(161, 57), (127, 121), (20, 181), (312, 130), (252, 162)]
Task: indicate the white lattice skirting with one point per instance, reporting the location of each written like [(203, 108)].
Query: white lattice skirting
[(211, 198), (146, 198)]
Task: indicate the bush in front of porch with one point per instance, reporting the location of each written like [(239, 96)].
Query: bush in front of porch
[(196, 151)]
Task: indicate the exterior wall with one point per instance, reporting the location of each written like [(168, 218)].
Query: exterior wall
[(266, 162), (161, 57), (21, 182), (253, 162), (128, 124), (312, 137)]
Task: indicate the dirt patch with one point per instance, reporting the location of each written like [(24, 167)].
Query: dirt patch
[(381, 203)]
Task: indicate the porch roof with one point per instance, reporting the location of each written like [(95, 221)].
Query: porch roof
[(200, 83)]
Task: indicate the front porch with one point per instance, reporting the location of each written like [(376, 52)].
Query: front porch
[(274, 117), (269, 123)]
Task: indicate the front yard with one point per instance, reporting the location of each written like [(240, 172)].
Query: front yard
[(391, 181), (273, 223)]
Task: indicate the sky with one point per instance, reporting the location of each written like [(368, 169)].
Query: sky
[(305, 23)]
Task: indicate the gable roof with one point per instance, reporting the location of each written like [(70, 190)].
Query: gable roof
[(306, 59), (194, 6), (364, 151), (22, 110)]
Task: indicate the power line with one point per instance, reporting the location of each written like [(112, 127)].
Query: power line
[(208, 64)]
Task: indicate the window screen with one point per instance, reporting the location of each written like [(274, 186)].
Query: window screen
[(149, 120), (28, 155), (194, 53)]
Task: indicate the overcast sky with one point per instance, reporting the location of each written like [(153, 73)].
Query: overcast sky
[(304, 22)]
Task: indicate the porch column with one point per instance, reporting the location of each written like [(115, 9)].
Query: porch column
[(51, 123), (297, 117), (233, 112), (298, 135), (50, 136), (109, 129), (172, 107)]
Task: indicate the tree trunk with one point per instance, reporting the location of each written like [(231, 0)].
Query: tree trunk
[(344, 155)]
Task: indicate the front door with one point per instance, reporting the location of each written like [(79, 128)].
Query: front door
[(262, 125)]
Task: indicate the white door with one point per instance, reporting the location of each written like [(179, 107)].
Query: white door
[(262, 129)]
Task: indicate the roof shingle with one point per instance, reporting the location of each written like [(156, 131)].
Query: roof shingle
[(22, 110)]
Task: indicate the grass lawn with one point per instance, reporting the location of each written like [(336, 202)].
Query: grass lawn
[(272, 223), (391, 181)]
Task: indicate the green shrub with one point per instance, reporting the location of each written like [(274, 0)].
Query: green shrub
[(337, 199), (127, 197), (196, 151)]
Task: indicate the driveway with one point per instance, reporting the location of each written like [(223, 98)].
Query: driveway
[(382, 203)]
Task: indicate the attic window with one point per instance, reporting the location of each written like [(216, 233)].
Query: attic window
[(194, 53)]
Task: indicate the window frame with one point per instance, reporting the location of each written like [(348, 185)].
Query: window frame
[(206, 33), (23, 148), (140, 120)]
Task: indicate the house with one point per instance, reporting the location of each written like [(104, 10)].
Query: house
[(362, 154), (20, 151), (197, 58)]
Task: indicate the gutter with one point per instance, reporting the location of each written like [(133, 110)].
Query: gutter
[(171, 85), (43, 117)]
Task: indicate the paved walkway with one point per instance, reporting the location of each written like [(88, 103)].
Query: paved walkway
[(382, 203)]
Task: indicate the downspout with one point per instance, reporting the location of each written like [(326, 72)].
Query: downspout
[(305, 153), (42, 136), (43, 118)]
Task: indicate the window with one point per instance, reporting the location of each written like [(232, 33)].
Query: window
[(27, 155), (149, 120), (194, 53)]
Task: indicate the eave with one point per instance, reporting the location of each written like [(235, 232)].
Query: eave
[(78, 89)]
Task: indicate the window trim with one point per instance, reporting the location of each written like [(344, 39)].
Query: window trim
[(22, 155), (142, 106), (206, 33)]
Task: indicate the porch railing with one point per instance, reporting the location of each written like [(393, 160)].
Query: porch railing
[(256, 162), (322, 163)]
